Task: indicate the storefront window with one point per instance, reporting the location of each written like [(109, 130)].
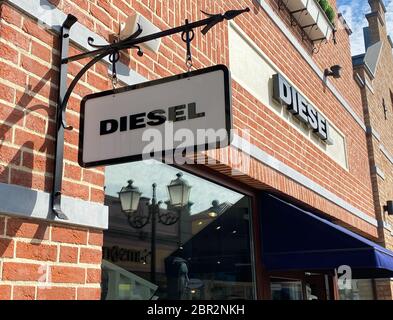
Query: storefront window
[(202, 250), (283, 289), (307, 286), (360, 290)]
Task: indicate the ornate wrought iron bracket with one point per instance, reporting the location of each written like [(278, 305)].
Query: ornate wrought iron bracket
[(59, 151), (99, 53), (320, 41), (335, 35)]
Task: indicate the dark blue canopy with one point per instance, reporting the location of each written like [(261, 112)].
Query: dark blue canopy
[(294, 239)]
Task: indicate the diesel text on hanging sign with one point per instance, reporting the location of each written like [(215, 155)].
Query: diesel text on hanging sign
[(153, 118)]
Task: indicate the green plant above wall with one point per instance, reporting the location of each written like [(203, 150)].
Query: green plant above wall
[(329, 11), (324, 4), (316, 26)]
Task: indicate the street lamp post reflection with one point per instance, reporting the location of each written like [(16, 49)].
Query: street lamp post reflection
[(129, 196)]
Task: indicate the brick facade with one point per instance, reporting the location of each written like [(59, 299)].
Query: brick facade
[(48, 261), (42, 260), (380, 145), (29, 57)]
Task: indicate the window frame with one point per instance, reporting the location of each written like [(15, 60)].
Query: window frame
[(259, 276)]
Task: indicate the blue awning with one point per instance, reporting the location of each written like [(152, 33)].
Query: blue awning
[(294, 239)]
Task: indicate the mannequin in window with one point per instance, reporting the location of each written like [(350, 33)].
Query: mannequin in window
[(177, 276), (310, 296)]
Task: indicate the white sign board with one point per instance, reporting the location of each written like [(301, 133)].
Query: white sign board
[(120, 125)]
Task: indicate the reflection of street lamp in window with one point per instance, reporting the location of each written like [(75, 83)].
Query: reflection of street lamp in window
[(179, 191), (179, 194), (214, 209), (129, 198)]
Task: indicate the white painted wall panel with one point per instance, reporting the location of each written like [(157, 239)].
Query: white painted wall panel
[(253, 70)]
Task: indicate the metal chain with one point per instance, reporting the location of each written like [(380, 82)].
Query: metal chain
[(187, 37), (114, 57), (189, 64)]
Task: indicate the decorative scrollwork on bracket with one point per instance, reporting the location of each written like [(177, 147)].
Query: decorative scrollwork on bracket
[(138, 220), (168, 218)]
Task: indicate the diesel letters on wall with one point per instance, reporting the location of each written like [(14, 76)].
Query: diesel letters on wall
[(284, 93)]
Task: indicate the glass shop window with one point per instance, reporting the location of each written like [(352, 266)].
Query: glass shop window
[(286, 289), (188, 241)]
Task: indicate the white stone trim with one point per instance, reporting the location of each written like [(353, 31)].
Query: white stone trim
[(280, 24), (387, 226), (359, 80), (386, 153), (24, 202), (369, 86), (291, 173), (379, 172)]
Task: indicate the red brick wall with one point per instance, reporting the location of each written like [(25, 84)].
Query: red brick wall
[(330, 54), (48, 261), (278, 139), (28, 89), (382, 85)]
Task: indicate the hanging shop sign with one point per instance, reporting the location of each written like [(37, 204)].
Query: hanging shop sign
[(97, 148), (182, 112), (286, 94)]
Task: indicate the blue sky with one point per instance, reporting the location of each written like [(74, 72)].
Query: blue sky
[(354, 11)]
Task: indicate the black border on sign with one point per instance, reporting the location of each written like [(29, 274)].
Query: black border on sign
[(228, 113)]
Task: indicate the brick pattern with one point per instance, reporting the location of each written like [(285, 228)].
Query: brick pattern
[(382, 85), (36, 262), (28, 88), (275, 136), (329, 54)]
